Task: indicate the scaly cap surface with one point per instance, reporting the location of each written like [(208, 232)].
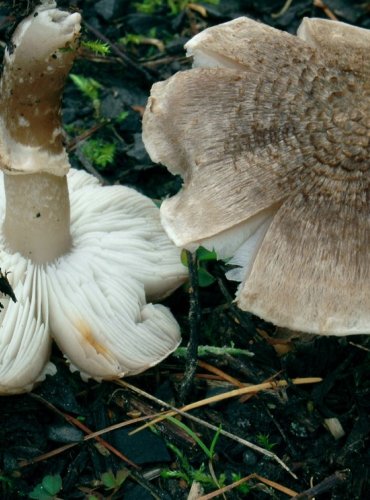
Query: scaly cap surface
[(271, 135)]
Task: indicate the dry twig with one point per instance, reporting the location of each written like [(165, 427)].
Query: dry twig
[(183, 412), (268, 482), (194, 319)]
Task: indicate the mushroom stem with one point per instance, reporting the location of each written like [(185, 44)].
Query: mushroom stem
[(38, 226), (36, 65), (32, 155)]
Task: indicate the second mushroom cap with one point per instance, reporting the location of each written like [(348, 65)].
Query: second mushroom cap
[(271, 134)]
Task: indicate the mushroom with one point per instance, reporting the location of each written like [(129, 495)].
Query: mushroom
[(271, 134), (83, 257)]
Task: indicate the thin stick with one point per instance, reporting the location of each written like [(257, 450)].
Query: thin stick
[(327, 484), (220, 374), (283, 10), (234, 393), (229, 435), (46, 456), (359, 346), (320, 4), (123, 57), (268, 482), (194, 319), (88, 437), (85, 429), (88, 166)]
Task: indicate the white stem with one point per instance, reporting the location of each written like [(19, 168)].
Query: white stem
[(37, 217), (36, 66)]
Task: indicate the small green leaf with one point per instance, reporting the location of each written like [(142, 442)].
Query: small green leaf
[(148, 6), (39, 493), (205, 278), (184, 258), (205, 255), (122, 116), (131, 38), (88, 86), (121, 476), (52, 484), (214, 442), (174, 474), (108, 480), (244, 487), (192, 434), (47, 489), (5, 480)]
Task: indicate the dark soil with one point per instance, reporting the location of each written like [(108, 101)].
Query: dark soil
[(290, 422)]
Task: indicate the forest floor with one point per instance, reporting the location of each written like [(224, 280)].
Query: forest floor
[(283, 439)]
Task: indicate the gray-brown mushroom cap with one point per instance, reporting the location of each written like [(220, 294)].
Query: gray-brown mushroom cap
[(271, 135)]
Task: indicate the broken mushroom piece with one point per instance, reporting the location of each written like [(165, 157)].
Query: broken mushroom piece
[(271, 135), (83, 258)]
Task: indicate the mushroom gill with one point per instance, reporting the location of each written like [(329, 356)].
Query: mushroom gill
[(271, 134), (83, 258)]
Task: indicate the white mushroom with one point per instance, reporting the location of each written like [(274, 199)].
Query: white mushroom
[(271, 134), (83, 258)]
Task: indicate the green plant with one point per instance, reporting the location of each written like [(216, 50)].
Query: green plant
[(204, 257), (149, 41), (8, 485), (199, 475), (207, 350), (49, 487), (243, 488), (174, 6), (121, 116), (132, 38), (96, 46), (112, 482), (6, 481), (264, 441), (148, 6), (208, 480), (189, 473), (209, 452), (99, 152), (89, 87)]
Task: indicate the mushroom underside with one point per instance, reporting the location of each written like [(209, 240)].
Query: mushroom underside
[(270, 134), (92, 299)]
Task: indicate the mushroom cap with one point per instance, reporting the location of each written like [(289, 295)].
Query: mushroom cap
[(271, 134), (91, 301), (349, 45), (36, 64)]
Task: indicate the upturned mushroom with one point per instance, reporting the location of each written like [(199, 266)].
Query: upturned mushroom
[(271, 134), (83, 258)]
